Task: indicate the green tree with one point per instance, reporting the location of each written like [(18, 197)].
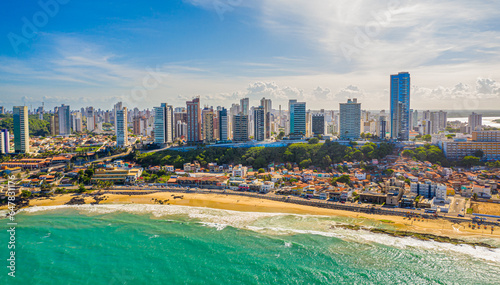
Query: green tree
[(470, 161), (479, 153), (313, 141), (81, 188)]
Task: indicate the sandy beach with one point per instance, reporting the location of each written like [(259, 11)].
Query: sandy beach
[(249, 204)]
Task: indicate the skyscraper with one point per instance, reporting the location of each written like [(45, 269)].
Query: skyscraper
[(350, 119), (76, 122), (240, 128), (267, 105), (223, 124), (21, 129), (194, 120), (475, 122), (54, 123), (4, 141), (121, 125), (297, 117), (208, 125), (400, 106), (318, 124), (163, 124), (90, 116), (259, 123), (244, 106), (64, 120)]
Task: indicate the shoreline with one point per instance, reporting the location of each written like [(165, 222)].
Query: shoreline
[(437, 227)]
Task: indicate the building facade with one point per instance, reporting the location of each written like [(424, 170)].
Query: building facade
[(240, 128), (193, 120), (400, 106), (21, 129), (350, 120), (297, 117)]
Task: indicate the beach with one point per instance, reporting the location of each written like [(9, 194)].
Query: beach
[(438, 227)]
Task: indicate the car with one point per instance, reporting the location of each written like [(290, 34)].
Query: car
[(343, 202), (359, 202), (457, 203), (460, 215)]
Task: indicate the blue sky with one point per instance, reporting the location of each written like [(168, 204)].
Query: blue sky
[(146, 52)]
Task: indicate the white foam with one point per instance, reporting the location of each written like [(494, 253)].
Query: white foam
[(277, 224)]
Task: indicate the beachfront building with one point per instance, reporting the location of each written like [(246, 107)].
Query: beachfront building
[(117, 175), (429, 190)]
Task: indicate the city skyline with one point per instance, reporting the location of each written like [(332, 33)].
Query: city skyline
[(183, 49)]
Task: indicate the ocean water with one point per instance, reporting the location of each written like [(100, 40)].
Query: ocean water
[(156, 244)]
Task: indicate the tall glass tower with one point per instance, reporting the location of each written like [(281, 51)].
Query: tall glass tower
[(400, 106)]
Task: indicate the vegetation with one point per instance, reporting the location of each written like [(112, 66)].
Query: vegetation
[(299, 154), (429, 153), (26, 194)]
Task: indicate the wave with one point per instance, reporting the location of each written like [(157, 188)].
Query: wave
[(278, 224)]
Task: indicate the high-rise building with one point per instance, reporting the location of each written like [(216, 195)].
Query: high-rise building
[(382, 127), (163, 124), (121, 126), (180, 129), (54, 123), (76, 122), (443, 120), (475, 122), (194, 120), (21, 129), (297, 118), (245, 106), (259, 123), (90, 116), (318, 124), (4, 141), (139, 125), (267, 105), (208, 125), (350, 119), (64, 120), (400, 106), (240, 128), (223, 124)]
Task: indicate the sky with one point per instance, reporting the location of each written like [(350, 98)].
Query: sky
[(143, 53)]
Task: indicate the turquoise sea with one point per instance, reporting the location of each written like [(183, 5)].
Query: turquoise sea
[(156, 244)]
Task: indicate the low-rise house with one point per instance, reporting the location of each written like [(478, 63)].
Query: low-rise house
[(239, 171), (482, 191)]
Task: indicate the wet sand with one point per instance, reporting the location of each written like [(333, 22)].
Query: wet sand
[(249, 204)]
